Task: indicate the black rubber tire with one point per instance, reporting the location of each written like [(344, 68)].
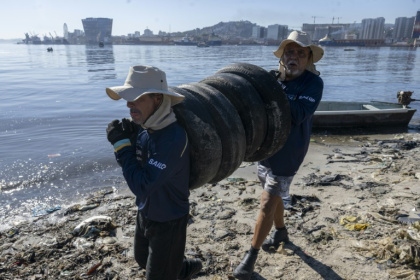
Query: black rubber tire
[(228, 126), (249, 105), (205, 143), (276, 107)]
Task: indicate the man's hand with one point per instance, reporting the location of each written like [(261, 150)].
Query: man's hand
[(117, 131), (133, 128)]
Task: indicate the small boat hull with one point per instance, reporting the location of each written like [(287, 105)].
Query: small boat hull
[(335, 114)]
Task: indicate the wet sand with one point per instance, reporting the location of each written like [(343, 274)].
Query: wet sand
[(355, 202)]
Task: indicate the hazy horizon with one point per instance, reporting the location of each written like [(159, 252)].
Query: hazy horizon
[(43, 17)]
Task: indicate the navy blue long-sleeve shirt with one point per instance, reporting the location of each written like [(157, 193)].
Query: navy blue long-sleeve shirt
[(157, 172), (304, 94)]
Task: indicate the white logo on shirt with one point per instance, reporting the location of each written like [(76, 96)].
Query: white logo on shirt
[(157, 164), (307, 98)]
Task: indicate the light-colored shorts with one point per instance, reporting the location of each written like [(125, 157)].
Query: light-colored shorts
[(275, 185)]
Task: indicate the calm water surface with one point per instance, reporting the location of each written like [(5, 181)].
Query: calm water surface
[(54, 110)]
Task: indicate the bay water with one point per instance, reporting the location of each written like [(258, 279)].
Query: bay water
[(54, 109)]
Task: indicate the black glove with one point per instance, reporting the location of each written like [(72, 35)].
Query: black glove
[(117, 131), (133, 128)]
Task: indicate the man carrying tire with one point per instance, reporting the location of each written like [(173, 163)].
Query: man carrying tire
[(303, 87), (153, 151)]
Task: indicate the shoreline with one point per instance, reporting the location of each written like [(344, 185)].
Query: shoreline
[(346, 181)]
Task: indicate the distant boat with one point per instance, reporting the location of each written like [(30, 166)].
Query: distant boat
[(336, 114), (327, 41), (185, 41), (101, 44)]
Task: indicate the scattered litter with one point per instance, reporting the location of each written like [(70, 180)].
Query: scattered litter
[(408, 220), (82, 243), (43, 210), (101, 222), (281, 250), (248, 203), (80, 207), (351, 223), (326, 180), (246, 164), (12, 232), (93, 268), (236, 180), (389, 249)]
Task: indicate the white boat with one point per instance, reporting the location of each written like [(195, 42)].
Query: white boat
[(336, 114)]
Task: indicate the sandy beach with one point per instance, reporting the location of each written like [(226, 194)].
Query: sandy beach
[(355, 215)]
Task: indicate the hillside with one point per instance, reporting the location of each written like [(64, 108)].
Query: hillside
[(242, 29)]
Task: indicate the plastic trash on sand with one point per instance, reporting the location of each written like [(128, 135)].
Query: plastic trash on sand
[(82, 243), (44, 210), (397, 251), (100, 223), (351, 223), (410, 233)]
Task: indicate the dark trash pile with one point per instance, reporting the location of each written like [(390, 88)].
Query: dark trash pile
[(78, 246)]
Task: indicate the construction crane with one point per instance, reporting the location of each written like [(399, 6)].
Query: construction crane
[(314, 17)]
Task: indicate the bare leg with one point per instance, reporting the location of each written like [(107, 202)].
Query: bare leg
[(279, 215), (270, 204)]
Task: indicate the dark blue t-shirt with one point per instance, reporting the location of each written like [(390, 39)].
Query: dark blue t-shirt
[(304, 94), (157, 171)]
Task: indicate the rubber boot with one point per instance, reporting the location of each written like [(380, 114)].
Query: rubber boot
[(273, 242), (191, 268), (244, 270)]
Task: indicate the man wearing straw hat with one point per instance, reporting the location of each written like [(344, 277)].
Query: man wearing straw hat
[(156, 166), (301, 82)]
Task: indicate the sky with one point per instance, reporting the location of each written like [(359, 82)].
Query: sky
[(48, 16)]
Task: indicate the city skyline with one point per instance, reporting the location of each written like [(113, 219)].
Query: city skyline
[(43, 17)]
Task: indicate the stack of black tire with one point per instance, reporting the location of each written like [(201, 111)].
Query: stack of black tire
[(239, 114)]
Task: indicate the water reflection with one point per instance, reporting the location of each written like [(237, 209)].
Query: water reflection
[(401, 63), (367, 59), (100, 62)]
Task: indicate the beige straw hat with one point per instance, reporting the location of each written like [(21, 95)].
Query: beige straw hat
[(143, 80), (303, 40)]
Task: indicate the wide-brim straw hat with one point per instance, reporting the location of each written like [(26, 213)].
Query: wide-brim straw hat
[(302, 39), (143, 80)]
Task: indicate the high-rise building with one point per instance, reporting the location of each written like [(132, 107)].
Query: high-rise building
[(277, 32), (373, 28), (65, 31), (403, 28), (416, 27), (258, 32), (97, 30)]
